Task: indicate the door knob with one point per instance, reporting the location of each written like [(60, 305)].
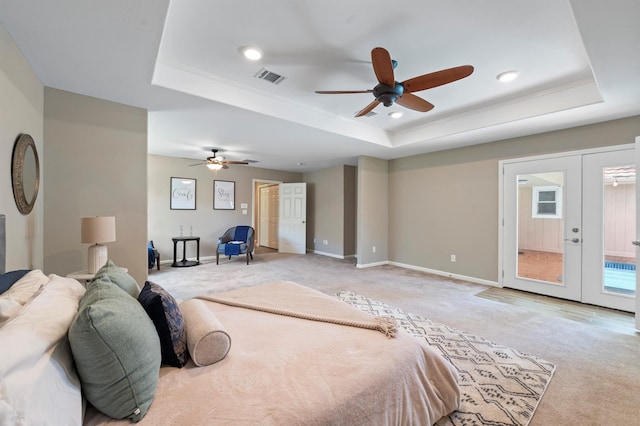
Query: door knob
[(635, 243)]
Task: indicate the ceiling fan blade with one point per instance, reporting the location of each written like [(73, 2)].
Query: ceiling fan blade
[(368, 108), (233, 162), (382, 66), (340, 92), (438, 78), (411, 101)]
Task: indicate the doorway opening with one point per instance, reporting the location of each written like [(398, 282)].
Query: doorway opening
[(265, 213)]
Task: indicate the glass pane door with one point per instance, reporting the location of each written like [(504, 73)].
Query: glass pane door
[(542, 226), (540, 243), (619, 254), (609, 195)]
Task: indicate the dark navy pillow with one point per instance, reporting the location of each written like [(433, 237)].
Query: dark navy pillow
[(165, 314), (9, 278)]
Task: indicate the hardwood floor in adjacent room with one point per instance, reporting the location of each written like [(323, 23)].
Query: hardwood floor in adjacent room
[(611, 319)]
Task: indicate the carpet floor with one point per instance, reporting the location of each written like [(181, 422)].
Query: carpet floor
[(499, 386), (597, 377)]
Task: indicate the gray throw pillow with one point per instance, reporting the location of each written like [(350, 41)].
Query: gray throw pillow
[(116, 350)]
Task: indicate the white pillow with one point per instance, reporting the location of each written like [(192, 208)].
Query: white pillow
[(38, 381), (20, 292), (8, 308)]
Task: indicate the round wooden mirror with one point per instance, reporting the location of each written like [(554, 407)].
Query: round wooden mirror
[(25, 173)]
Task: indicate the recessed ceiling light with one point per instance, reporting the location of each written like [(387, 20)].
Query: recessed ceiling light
[(251, 52), (395, 114), (507, 76)]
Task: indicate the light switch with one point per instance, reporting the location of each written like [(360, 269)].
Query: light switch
[(244, 206)]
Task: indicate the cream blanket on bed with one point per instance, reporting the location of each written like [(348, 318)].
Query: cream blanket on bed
[(282, 370), (293, 300)]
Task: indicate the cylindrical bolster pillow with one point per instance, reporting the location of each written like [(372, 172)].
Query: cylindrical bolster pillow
[(207, 340)]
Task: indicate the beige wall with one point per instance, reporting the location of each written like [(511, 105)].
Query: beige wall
[(95, 165), (373, 211), (446, 202), (204, 222), (350, 209), (21, 104), (331, 211)]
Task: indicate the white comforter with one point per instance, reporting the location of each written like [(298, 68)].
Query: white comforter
[(38, 382)]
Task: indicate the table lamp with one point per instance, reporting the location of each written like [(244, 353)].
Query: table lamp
[(98, 230)]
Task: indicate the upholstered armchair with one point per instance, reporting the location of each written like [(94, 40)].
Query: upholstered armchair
[(153, 255), (236, 241)]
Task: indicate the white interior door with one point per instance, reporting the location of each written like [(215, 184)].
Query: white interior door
[(609, 221), (274, 215), (293, 218), (263, 228), (542, 230)]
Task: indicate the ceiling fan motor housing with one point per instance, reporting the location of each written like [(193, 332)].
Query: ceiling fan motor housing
[(387, 95)]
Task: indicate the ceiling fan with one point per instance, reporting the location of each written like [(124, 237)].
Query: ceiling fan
[(217, 163), (389, 90)]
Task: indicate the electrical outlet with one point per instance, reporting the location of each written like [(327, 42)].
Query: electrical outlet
[(325, 242), (373, 249), (453, 257), (314, 241)]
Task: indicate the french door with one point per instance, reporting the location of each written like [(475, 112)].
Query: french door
[(569, 223), (609, 256), (542, 226)]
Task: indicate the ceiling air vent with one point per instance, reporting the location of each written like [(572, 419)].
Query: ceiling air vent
[(271, 77)]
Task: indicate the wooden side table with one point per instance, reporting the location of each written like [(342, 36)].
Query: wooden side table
[(184, 262)]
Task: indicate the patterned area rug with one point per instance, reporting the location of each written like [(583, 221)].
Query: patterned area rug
[(499, 385)]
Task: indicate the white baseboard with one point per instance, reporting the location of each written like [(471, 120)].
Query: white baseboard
[(447, 274), (432, 271), (335, 256), (370, 265)]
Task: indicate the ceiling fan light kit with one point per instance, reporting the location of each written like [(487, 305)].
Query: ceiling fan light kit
[(217, 163), (214, 166), (389, 91)]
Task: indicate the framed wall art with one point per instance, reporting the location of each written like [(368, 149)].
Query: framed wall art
[(183, 193), (224, 195)]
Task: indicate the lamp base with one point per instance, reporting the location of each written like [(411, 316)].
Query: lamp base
[(98, 256)]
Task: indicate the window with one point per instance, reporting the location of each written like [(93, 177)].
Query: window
[(547, 202)]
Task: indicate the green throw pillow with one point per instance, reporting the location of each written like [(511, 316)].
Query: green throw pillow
[(119, 277), (116, 350)]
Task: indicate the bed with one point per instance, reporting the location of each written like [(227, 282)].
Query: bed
[(294, 356)]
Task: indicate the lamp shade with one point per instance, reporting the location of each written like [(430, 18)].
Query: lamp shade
[(100, 229)]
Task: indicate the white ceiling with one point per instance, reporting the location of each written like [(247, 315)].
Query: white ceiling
[(579, 63)]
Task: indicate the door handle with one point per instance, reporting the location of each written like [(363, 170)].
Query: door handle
[(577, 240), (635, 243)]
